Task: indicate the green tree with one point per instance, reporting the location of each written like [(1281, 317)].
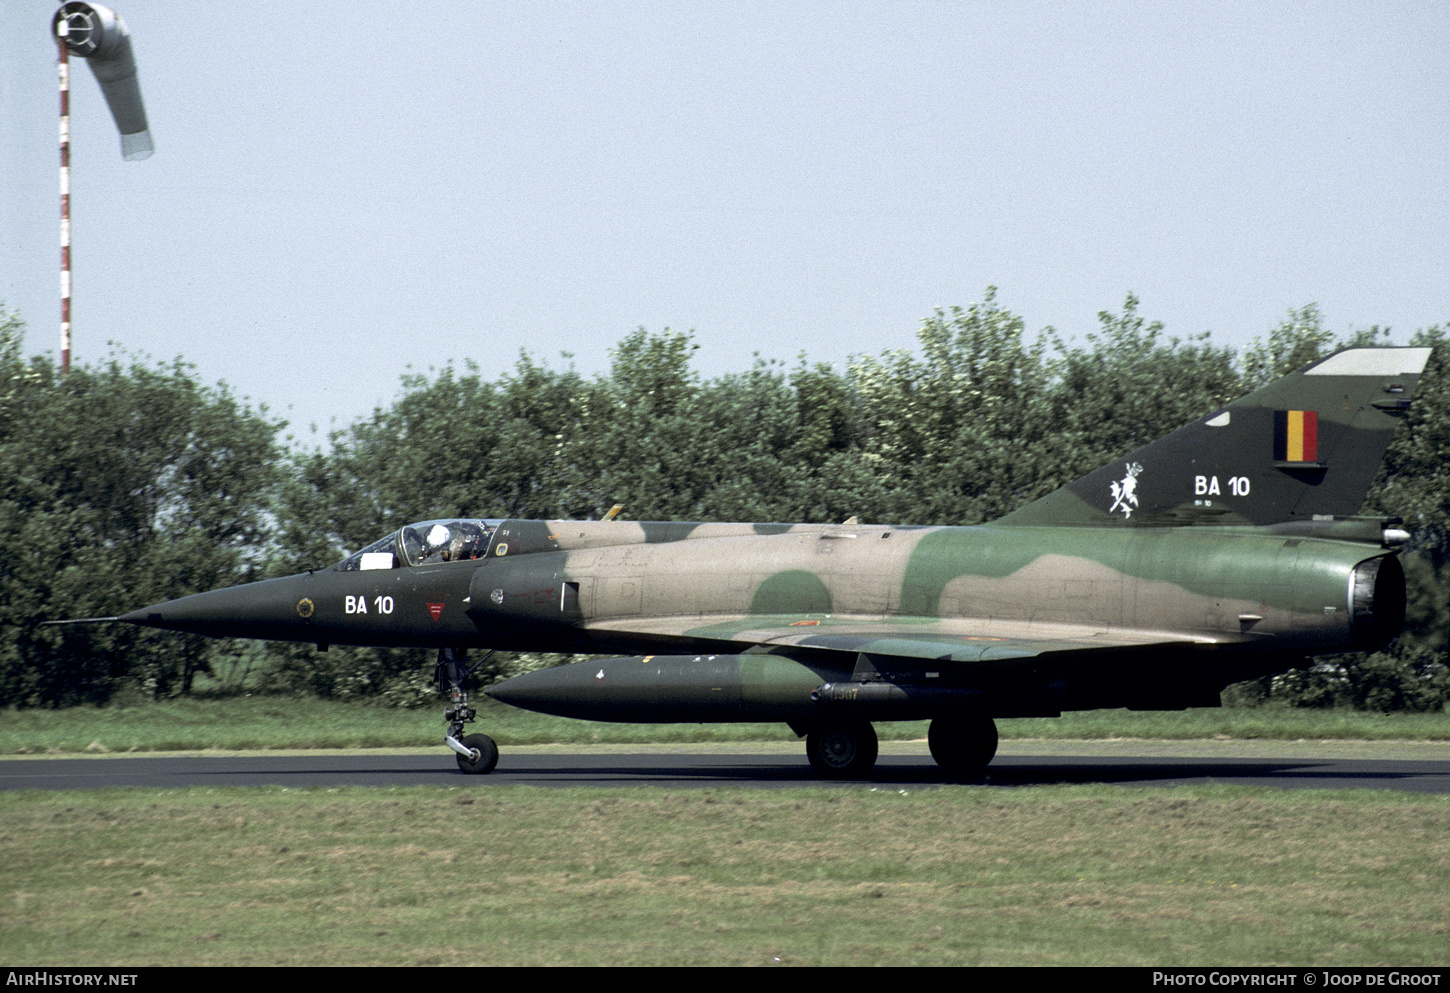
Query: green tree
[(120, 485), (1299, 339), (1128, 386), (1414, 483), (959, 434)]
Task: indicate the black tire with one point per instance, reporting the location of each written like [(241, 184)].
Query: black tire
[(842, 751), (962, 746), (487, 752)]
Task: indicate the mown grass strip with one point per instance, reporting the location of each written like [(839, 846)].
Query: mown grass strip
[(957, 875), (284, 722)]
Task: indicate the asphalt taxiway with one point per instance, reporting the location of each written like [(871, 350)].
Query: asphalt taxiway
[(1413, 767)]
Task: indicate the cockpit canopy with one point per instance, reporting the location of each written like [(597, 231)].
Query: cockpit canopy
[(452, 540)]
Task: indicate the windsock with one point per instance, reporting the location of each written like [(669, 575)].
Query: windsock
[(98, 35)]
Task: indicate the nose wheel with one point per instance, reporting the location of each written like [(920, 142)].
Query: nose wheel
[(482, 755), (477, 754)]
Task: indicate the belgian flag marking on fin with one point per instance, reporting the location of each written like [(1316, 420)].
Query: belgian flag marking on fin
[(1330, 424), (1296, 436)]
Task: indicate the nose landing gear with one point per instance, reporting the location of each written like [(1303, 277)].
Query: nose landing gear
[(477, 754)]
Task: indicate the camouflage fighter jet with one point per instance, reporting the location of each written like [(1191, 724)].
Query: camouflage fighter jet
[(1225, 551)]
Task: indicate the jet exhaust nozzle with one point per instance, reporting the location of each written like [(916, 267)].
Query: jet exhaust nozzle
[(1377, 602), (99, 35)]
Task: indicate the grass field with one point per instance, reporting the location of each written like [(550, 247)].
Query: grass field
[(953, 875), (812, 876)]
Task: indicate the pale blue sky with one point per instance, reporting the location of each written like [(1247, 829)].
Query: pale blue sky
[(340, 191)]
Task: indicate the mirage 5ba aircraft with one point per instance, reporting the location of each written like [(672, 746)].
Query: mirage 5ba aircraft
[(1225, 551)]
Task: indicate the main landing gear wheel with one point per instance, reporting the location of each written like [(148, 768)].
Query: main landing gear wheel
[(962, 746), (485, 755), (842, 751)]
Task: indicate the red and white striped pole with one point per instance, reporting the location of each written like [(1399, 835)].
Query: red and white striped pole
[(64, 208), (100, 37)]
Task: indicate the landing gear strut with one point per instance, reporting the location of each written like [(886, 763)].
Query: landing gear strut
[(477, 754), (842, 751), (962, 746)]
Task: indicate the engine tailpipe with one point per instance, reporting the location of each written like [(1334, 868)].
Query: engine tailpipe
[(1377, 602)]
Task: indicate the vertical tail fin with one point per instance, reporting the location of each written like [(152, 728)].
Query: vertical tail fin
[(1307, 445)]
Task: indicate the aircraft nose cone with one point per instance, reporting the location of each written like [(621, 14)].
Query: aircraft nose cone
[(273, 608)]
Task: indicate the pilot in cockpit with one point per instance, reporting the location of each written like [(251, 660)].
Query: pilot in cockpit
[(468, 542)]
